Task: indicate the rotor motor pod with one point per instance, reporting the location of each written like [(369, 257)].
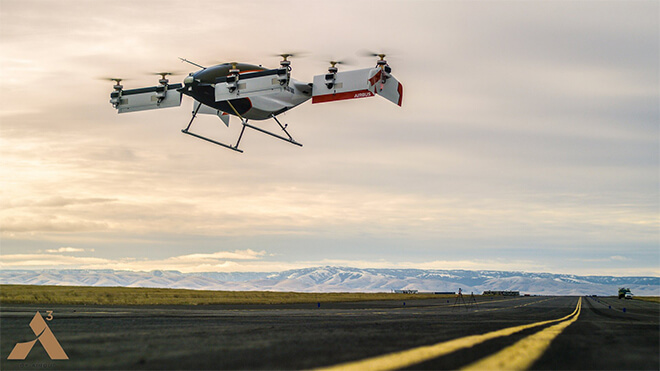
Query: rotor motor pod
[(284, 72), (382, 63), (232, 78), (161, 89), (333, 67), (115, 97), (285, 62), (163, 78), (331, 76)]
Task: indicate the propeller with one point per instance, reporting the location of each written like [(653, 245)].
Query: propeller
[(163, 74), (381, 61), (343, 61), (379, 55), (285, 56), (334, 63), (370, 53), (285, 62), (117, 81)]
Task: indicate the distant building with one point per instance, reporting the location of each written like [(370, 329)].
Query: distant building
[(406, 291), (501, 293)]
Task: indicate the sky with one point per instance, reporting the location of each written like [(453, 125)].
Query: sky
[(528, 139)]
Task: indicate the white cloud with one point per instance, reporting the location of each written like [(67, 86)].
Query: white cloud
[(221, 255), (67, 249), (45, 261), (253, 261), (613, 258), (218, 261)]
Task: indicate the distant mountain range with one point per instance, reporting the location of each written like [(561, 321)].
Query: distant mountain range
[(344, 279)]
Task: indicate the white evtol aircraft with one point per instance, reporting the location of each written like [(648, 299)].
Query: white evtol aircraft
[(255, 93)]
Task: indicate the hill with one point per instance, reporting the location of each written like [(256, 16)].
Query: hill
[(343, 279)]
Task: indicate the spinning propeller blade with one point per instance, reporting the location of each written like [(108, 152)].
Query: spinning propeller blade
[(163, 74), (116, 79), (289, 55), (369, 53)]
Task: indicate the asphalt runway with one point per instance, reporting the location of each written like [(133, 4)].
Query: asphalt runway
[(583, 333)]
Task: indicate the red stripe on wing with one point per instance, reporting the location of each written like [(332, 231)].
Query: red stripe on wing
[(342, 96)]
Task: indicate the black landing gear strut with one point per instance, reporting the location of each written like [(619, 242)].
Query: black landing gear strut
[(245, 124)]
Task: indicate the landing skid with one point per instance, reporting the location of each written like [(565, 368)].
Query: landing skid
[(245, 124)]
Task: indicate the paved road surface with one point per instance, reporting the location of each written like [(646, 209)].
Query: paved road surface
[(584, 333)]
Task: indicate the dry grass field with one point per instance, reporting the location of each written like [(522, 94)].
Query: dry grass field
[(655, 299), (32, 294)]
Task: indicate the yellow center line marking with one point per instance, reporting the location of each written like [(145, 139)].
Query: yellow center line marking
[(521, 355), (421, 354)]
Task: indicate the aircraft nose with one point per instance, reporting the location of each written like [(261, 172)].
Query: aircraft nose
[(188, 80)]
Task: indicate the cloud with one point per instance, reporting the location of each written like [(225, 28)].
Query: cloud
[(59, 201), (67, 249), (46, 261), (218, 261), (613, 258), (235, 255), (255, 261)]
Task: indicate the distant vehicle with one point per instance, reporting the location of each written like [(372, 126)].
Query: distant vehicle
[(623, 291), (629, 295)]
